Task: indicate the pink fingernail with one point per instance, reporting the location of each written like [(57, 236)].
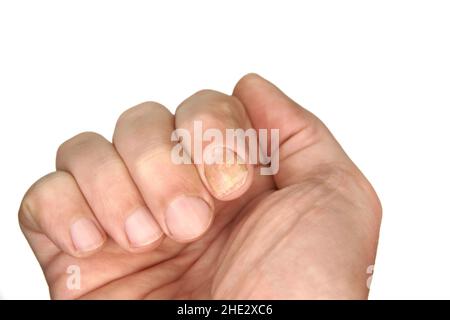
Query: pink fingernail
[(188, 217), (85, 235), (141, 228)]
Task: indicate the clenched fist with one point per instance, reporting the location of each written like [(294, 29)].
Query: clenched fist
[(138, 224)]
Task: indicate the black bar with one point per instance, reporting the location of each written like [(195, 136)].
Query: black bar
[(230, 309)]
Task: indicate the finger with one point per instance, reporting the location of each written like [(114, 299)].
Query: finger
[(212, 128), (109, 190), (174, 193), (304, 143), (54, 209)]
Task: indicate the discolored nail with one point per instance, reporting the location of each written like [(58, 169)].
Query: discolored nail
[(141, 228), (85, 235), (227, 174), (188, 217)]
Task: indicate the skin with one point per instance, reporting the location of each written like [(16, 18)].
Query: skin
[(308, 232)]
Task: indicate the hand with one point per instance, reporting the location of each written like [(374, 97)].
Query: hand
[(137, 225)]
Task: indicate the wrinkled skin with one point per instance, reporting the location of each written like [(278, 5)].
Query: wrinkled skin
[(310, 231)]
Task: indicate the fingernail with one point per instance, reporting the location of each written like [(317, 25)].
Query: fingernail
[(188, 217), (227, 174), (141, 228), (85, 235)]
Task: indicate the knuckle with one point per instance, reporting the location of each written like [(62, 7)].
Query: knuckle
[(80, 141), (39, 198), (134, 124), (223, 108), (248, 80), (249, 77), (228, 110), (206, 93), (133, 114), (215, 107), (303, 137)]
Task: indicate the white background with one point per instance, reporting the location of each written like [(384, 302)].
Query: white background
[(376, 72)]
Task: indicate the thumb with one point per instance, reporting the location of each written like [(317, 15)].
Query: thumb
[(306, 146)]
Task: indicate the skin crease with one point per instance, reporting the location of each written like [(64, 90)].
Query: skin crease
[(309, 232)]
